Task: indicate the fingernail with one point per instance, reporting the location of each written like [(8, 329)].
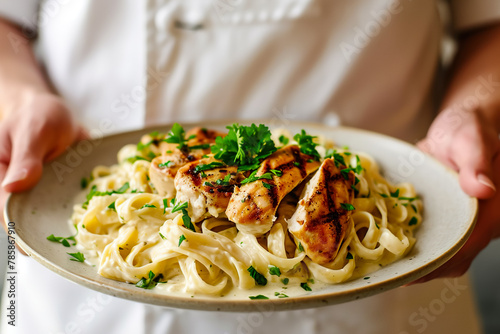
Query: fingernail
[(15, 176), (483, 179)]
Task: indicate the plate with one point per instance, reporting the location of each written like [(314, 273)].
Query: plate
[(449, 217)]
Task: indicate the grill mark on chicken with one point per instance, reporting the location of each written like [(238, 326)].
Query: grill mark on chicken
[(320, 223), (163, 178), (253, 206)]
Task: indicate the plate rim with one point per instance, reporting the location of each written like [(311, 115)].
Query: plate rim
[(239, 305)]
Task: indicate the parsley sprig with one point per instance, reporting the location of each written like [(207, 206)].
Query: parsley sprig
[(258, 277), (62, 240), (244, 146), (150, 282), (177, 135), (93, 192), (185, 217), (307, 144)]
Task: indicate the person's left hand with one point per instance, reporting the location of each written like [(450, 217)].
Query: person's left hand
[(468, 143)]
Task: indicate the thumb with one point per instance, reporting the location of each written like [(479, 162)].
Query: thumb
[(25, 167), (474, 159)]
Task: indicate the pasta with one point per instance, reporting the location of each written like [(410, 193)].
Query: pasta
[(133, 234)]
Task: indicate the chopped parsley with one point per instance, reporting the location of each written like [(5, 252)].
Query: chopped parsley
[(383, 195), (367, 277), (179, 206), (296, 164), (222, 182), (177, 135), (78, 257), (347, 206), (259, 278), (147, 205), (276, 172), (280, 295), (305, 286), (258, 297), (164, 164), (112, 206), (203, 167), (267, 185), (93, 192), (395, 194), (162, 236), (84, 182), (356, 191), (165, 205), (273, 270), (181, 239), (150, 282), (301, 249), (307, 144), (199, 147), (244, 146), (62, 240), (285, 280), (349, 256), (283, 140), (208, 184), (413, 221), (253, 177)]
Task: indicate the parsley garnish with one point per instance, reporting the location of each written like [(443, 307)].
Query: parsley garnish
[(62, 240), (164, 164), (349, 256), (181, 239), (179, 207), (199, 147), (258, 297), (301, 249), (395, 194), (212, 165), (253, 177), (78, 257), (283, 140), (356, 191), (280, 295), (259, 278), (285, 280), (244, 146), (177, 135), (413, 221), (162, 236), (93, 192), (84, 182), (165, 204), (305, 286), (273, 270), (112, 206), (150, 282), (276, 172), (347, 206), (296, 163), (267, 185), (148, 206), (307, 145)]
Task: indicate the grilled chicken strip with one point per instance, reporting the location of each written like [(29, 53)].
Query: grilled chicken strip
[(207, 192), (253, 205), (164, 167), (320, 222)]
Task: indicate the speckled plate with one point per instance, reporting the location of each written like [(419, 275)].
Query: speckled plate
[(448, 220)]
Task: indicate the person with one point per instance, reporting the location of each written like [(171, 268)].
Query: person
[(116, 65)]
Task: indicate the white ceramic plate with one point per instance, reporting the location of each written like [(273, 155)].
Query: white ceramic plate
[(448, 219)]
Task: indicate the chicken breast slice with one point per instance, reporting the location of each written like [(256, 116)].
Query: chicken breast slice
[(207, 192), (320, 222), (164, 167), (253, 205)]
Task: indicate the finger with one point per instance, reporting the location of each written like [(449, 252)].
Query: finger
[(3, 194), (425, 146), (25, 167)]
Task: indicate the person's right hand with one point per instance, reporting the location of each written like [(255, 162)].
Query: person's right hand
[(35, 129)]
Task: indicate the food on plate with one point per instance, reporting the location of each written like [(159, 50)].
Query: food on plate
[(213, 213)]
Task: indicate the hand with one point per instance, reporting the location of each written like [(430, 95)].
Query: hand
[(36, 128), (468, 143)]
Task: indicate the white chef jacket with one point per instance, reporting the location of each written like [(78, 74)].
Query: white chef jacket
[(127, 64)]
